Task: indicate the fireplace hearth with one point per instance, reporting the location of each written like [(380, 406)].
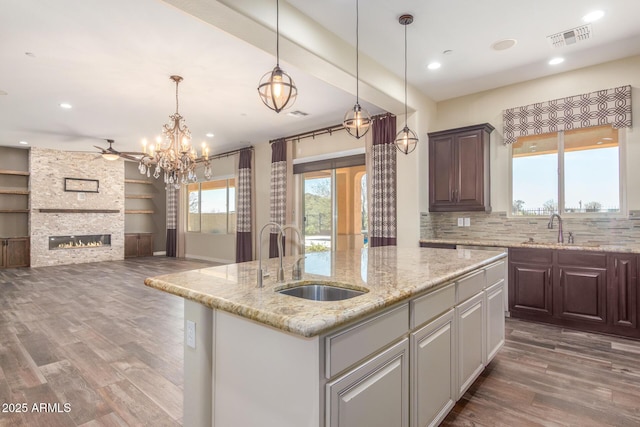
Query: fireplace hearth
[(79, 242)]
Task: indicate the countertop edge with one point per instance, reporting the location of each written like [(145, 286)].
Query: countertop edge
[(536, 245), (312, 329)]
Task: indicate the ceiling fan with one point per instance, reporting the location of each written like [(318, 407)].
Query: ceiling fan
[(113, 154)]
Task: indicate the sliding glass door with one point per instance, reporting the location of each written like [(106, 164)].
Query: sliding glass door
[(334, 208)]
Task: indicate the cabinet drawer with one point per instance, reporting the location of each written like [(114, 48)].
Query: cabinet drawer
[(538, 256), (346, 347), (470, 285), (495, 273), (432, 305), (582, 259)]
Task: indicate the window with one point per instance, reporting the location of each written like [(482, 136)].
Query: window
[(576, 171), (212, 207)]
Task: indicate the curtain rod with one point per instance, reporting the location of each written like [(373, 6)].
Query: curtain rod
[(229, 153), (325, 130)]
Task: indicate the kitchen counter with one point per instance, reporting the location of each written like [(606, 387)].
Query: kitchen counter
[(580, 246), (390, 275)]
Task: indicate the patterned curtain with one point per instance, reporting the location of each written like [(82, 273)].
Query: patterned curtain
[(278, 192), (610, 106), (381, 168), (244, 217), (172, 220)]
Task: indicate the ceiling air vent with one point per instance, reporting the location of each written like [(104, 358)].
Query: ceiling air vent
[(572, 36), (297, 113)]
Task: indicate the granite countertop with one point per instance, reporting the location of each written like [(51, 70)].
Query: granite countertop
[(389, 274), (580, 246)]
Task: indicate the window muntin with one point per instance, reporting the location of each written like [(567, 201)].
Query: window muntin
[(578, 170), (212, 207)]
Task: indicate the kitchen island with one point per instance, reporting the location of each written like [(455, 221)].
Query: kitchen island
[(428, 322)]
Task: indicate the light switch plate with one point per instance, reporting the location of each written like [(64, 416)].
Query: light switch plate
[(191, 334), (467, 222), (460, 222)]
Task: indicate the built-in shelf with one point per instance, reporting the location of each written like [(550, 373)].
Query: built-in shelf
[(12, 172), (137, 181), (14, 210), (139, 196), (138, 211), (25, 192), (79, 210)]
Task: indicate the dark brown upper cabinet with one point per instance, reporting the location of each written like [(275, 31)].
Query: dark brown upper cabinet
[(459, 169)]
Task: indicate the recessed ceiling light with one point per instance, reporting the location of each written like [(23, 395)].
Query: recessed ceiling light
[(593, 16), (23, 143), (210, 135), (556, 61), (65, 105), (434, 65), (504, 44)]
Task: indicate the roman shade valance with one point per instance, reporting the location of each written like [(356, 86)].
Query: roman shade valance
[(609, 106)]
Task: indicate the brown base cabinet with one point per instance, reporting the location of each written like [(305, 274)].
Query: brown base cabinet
[(15, 252), (138, 245), (591, 291)]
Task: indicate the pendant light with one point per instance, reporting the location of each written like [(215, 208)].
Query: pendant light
[(276, 88), (406, 139), (357, 120)]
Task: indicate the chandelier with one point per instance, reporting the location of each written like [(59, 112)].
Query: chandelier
[(173, 154), (276, 88), (406, 139)]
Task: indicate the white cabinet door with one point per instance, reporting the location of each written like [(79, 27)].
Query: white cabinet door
[(375, 394), (433, 391), (470, 319), (495, 319)]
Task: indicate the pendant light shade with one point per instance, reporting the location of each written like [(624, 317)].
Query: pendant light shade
[(276, 88), (357, 120), (406, 139)]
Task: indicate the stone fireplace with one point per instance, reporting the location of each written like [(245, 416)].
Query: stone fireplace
[(56, 212)]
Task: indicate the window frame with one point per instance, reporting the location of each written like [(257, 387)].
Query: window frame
[(622, 183), (230, 227)]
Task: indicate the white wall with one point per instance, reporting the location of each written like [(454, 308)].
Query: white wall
[(488, 106)]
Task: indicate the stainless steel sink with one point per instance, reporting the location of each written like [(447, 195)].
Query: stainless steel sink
[(320, 292)]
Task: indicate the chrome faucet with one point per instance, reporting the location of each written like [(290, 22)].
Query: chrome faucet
[(280, 254), (296, 273), (550, 226)]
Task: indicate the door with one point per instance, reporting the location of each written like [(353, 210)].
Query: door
[(374, 394), (622, 293), (582, 294), (433, 366), (470, 319), (17, 252), (335, 209), (530, 289)]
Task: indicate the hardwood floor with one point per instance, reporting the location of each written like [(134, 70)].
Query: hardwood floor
[(92, 336)]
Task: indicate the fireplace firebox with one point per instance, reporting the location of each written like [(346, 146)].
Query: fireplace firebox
[(78, 242)]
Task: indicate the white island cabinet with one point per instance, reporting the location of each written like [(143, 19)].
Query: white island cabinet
[(399, 355)]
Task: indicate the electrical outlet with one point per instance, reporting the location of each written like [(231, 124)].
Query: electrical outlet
[(467, 222), (460, 222), (191, 334)]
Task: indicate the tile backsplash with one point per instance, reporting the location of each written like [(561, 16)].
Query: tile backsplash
[(497, 227)]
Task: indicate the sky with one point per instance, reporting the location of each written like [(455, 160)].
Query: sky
[(590, 175)]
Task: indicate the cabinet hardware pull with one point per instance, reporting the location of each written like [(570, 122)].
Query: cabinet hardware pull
[(549, 276)]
